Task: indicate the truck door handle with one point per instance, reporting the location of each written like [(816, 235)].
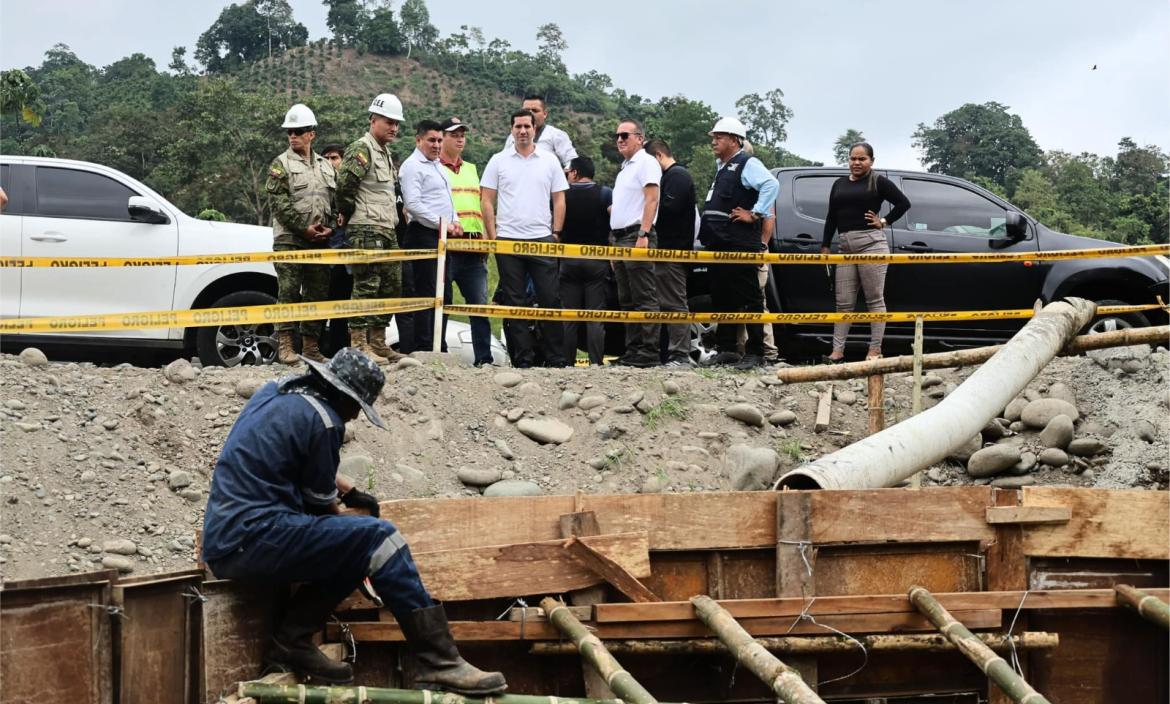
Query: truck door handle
[(915, 247), (800, 240), (49, 237)]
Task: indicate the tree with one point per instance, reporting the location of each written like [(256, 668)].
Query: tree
[(978, 140), (20, 95), (1137, 169), (347, 19), (247, 32), (476, 36), (765, 117), (551, 45), (844, 143), (416, 25), (684, 124), (382, 34), (178, 64)]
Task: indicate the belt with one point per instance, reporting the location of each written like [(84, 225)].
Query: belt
[(466, 236), (636, 227)]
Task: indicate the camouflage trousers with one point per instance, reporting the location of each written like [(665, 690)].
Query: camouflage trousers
[(374, 280), (301, 283)]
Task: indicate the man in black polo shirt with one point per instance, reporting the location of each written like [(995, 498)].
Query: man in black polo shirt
[(676, 230), (583, 280)]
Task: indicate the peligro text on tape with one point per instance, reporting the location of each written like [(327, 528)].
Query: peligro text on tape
[(578, 251), (301, 256), (241, 315)]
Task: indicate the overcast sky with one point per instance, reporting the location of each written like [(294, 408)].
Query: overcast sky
[(880, 67)]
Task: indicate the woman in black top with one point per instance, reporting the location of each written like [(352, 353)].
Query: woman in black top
[(854, 203)]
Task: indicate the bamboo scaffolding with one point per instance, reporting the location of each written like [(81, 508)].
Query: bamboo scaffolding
[(816, 645), (1148, 606), (616, 678), (305, 694), (782, 679), (968, 357), (992, 665)]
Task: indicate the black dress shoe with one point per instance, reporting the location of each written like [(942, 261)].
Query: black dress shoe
[(725, 358), (749, 362)]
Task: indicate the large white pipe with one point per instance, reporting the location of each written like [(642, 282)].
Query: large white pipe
[(896, 453)]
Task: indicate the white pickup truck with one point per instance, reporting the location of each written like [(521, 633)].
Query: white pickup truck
[(63, 208)]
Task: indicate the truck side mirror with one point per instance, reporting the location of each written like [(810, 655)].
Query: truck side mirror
[(145, 210), (1016, 225)]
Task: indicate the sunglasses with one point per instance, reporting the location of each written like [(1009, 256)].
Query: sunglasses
[(625, 135), (298, 131)]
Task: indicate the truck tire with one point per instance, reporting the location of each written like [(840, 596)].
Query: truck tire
[(233, 345), (1107, 323), (702, 334)]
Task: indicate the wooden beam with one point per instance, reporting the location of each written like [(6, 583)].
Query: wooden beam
[(874, 401), (937, 514), (795, 554), (1028, 515), (525, 568), (609, 570), (1104, 523), (583, 523), (824, 410)]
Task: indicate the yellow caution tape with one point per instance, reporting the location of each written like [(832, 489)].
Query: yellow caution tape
[(300, 256), (240, 315), (579, 251)]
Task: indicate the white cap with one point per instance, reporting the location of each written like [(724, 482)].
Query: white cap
[(387, 105), (299, 115), (730, 125)]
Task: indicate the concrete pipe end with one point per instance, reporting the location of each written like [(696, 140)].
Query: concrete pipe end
[(797, 480)]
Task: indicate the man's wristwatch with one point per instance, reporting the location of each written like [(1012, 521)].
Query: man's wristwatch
[(643, 233), (883, 222)]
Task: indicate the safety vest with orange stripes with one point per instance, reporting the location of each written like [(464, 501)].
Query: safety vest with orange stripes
[(465, 194)]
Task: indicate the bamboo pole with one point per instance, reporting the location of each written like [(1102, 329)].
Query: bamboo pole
[(876, 384), (815, 645), (916, 396), (992, 665), (305, 694), (1149, 607), (782, 679), (619, 681), (965, 358), (440, 275)]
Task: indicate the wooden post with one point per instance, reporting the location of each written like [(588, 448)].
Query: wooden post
[(440, 276), (573, 525), (992, 665), (824, 409), (621, 682), (1149, 607), (916, 394), (877, 412), (782, 679)]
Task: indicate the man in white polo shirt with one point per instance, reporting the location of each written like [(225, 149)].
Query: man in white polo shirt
[(631, 221), (525, 179)]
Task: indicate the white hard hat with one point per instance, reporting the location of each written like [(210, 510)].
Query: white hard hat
[(299, 115), (387, 105), (730, 125)]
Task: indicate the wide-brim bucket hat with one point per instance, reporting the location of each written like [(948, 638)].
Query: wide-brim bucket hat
[(355, 375)]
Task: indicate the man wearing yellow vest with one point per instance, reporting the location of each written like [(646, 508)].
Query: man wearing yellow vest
[(467, 269)]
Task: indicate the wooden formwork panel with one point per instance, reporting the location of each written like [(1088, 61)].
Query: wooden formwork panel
[(892, 569), (156, 660), (236, 625)]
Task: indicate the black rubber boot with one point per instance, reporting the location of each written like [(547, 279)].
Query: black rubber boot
[(292, 648), (439, 664)]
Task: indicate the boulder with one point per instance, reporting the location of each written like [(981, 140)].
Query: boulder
[(992, 460), (1053, 457), (545, 430), (782, 418), (120, 546), (1038, 413), (179, 371), (507, 379), (1062, 391), (590, 402), (751, 468), (568, 400), (1058, 433), (963, 453), (33, 357), (1086, 447), (513, 487), (1026, 463), (472, 476), (746, 413), (1014, 409), (1013, 482), (122, 564)]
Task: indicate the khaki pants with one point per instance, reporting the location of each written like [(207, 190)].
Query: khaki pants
[(770, 349), (871, 278)]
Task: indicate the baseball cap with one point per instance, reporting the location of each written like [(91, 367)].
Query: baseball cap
[(454, 123)]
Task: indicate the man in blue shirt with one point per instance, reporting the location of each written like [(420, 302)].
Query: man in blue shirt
[(273, 516)]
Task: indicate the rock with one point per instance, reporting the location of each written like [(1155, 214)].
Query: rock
[(654, 484), (408, 362), (513, 487), (356, 465), (179, 371), (936, 475), (507, 379), (504, 450), (1085, 447), (936, 392), (1058, 432), (782, 418), (14, 404), (845, 396), (609, 432), (1015, 408), (1017, 426), (88, 476), (245, 388), (931, 380), (635, 397), (598, 462), (751, 468), (568, 400), (993, 430), (33, 357), (119, 546), (1144, 429), (514, 415), (1062, 391), (472, 476), (28, 427), (122, 564), (745, 413), (192, 495), (623, 409), (590, 402), (1127, 359), (992, 460), (179, 479), (1026, 463), (435, 431), (670, 387), (411, 475), (963, 453), (1013, 482), (1053, 457), (531, 388), (545, 430), (1038, 413)]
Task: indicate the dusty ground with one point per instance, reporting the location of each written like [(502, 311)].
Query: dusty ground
[(111, 465)]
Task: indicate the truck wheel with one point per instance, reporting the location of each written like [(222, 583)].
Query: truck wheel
[(1109, 323), (232, 345), (702, 334)]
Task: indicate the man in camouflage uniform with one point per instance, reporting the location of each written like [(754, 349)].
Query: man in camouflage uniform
[(300, 188), (367, 199)]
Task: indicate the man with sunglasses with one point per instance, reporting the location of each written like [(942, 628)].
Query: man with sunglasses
[(631, 223), (300, 188), (367, 198)]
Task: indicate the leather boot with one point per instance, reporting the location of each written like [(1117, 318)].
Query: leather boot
[(357, 340), (439, 664), (292, 648), (310, 348), (377, 339), (285, 354)]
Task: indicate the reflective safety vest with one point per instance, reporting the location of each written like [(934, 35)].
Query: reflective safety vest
[(465, 195)]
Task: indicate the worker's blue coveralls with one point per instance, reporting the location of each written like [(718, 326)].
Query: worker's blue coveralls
[(280, 459)]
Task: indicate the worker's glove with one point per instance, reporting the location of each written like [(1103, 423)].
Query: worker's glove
[(360, 499)]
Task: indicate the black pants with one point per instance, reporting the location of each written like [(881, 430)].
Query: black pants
[(422, 282), (514, 273), (735, 288), (340, 289), (583, 286)]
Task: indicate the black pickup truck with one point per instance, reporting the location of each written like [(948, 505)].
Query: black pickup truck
[(947, 215)]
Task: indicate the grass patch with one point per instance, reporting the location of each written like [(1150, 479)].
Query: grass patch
[(669, 407), (791, 448)]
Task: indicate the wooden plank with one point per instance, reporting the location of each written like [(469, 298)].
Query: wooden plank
[(897, 622), (876, 384), (584, 523), (881, 603), (935, 514), (525, 568), (692, 521), (1104, 523), (894, 568), (1028, 515), (609, 570), (156, 637), (677, 576), (795, 554), (237, 623), (824, 410), (1006, 565)]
